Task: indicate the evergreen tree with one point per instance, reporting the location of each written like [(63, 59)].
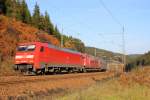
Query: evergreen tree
[(36, 16), (18, 10), (9, 8), (13, 9), (48, 24), (57, 33), (41, 24), (2, 7), (25, 13)]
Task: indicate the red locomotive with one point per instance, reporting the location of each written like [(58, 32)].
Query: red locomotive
[(37, 57)]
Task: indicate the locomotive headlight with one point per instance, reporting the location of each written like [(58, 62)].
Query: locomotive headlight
[(17, 61), (18, 57), (30, 56)]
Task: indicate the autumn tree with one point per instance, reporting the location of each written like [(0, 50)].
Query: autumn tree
[(74, 44), (79, 45)]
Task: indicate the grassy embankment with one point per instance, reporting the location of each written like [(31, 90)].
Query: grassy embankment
[(131, 86)]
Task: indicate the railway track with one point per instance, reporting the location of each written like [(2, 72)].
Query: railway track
[(4, 81), (13, 86)]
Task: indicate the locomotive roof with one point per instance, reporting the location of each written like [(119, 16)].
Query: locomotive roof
[(58, 48), (51, 46), (63, 49)]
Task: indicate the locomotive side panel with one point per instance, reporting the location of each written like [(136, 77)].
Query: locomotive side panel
[(92, 62), (59, 58)]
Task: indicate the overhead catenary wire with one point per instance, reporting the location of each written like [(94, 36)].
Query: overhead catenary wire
[(110, 13), (89, 26), (81, 22), (122, 27)]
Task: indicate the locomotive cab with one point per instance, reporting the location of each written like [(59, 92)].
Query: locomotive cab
[(24, 59)]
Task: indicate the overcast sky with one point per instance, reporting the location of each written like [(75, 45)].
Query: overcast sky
[(89, 21)]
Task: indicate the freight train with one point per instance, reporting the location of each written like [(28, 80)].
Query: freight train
[(40, 58)]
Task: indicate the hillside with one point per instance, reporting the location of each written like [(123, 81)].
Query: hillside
[(146, 57), (138, 60), (13, 32), (18, 10), (108, 55), (132, 57)]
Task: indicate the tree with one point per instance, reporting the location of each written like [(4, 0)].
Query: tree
[(41, 24), (2, 7), (18, 9), (79, 45), (69, 44), (57, 33), (48, 24), (25, 13), (74, 44), (9, 7), (13, 9), (36, 16)]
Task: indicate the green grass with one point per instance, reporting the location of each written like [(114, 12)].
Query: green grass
[(111, 90)]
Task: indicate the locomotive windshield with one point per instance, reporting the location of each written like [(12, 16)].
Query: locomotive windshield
[(26, 48)]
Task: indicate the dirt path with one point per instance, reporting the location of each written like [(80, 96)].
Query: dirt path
[(15, 86)]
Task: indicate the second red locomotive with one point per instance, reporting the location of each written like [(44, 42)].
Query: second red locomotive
[(37, 57)]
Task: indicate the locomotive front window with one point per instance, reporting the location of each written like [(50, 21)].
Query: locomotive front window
[(22, 48), (30, 47), (26, 48)]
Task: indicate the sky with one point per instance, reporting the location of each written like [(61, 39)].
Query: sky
[(89, 21)]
